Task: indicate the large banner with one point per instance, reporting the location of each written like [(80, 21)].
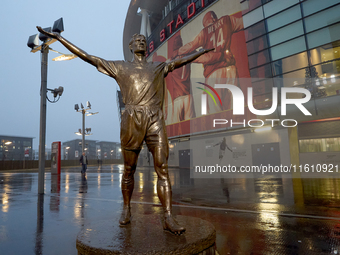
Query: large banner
[(221, 27)]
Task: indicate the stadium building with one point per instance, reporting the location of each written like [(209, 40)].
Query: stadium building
[(269, 46)]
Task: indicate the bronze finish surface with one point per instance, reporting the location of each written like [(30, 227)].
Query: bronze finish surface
[(142, 87)]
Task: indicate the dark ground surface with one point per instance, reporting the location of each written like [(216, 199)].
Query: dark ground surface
[(251, 215)]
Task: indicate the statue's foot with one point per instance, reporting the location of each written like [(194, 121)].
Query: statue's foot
[(171, 225), (125, 217)]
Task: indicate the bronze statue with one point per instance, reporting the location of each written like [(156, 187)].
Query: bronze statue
[(142, 87)]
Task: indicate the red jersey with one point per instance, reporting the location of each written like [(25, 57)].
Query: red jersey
[(217, 35), (179, 79)]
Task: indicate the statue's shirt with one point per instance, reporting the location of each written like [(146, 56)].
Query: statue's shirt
[(142, 87), (141, 84)]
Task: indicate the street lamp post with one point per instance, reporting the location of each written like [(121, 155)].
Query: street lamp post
[(33, 43), (84, 131), (42, 133)]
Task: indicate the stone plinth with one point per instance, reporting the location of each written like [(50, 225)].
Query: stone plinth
[(145, 235)]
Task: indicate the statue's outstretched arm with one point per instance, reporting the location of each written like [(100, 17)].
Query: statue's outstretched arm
[(93, 60), (177, 63)]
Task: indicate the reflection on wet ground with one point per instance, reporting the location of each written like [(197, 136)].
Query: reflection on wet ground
[(251, 216)]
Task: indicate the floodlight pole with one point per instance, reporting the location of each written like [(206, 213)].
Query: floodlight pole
[(82, 131), (42, 134), (58, 26)]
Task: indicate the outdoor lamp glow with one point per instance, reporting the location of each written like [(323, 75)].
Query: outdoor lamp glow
[(64, 57)]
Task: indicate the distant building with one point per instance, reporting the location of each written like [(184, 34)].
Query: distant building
[(35, 154), (71, 150), (108, 150), (16, 148), (48, 153)]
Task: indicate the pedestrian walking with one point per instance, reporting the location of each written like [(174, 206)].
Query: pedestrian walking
[(83, 162)]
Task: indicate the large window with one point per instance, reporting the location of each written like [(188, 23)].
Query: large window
[(297, 42), (323, 19), (286, 33), (253, 17), (288, 48), (311, 6), (325, 53), (283, 18), (276, 6), (328, 78), (320, 145), (324, 36), (290, 64)]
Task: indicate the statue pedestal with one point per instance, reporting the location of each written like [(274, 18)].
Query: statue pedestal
[(145, 235)]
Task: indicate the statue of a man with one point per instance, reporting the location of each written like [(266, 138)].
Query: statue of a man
[(142, 87)]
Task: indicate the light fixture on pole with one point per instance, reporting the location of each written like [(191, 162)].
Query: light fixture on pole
[(84, 131), (33, 43), (87, 131), (57, 92)]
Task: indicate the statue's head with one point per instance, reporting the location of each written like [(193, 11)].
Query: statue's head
[(137, 43), (209, 18)]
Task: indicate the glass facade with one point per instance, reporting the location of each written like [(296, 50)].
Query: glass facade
[(257, 43), (295, 39)]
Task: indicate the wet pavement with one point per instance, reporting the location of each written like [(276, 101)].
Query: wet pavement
[(251, 216)]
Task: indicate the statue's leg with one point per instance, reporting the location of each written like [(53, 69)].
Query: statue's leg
[(130, 164), (160, 156)]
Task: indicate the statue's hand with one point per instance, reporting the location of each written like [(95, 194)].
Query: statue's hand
[(53, 35)]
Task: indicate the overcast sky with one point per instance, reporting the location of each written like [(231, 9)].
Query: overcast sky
[(94, 26)]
